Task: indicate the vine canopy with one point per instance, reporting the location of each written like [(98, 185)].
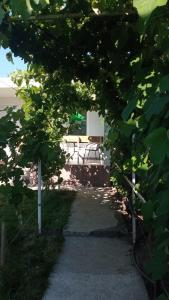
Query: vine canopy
[(120, 51)]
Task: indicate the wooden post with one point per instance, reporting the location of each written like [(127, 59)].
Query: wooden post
[(3, 240)]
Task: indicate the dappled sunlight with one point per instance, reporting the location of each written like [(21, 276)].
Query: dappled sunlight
[(83, 175)]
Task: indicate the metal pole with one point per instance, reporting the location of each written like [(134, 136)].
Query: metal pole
[(78, 149), (141, 198), (39, 198), (133, 201), (133, 204), (2, 258)]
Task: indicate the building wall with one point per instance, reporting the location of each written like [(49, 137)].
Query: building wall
[(8, 95), (95, 124), (8, 101)]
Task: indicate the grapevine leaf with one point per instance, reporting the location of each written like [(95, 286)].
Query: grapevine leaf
[(145, 7), (36, 1), (157, 266), (162, 297), (164, 84), (4, 40), (129, 108), (44, 2), (156, 105), (9, 57), (147, 210), (113, 135), (159, 144), (22, 8), (126, 128), (2, 14), (163, 200)]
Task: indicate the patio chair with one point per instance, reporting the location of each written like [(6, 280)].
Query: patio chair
[(72, 143), (93, 147)]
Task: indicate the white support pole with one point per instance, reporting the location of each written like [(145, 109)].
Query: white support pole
[(39, 198), (141, 198), (3, 240), (78, 149), (133, 200), (133, 216)]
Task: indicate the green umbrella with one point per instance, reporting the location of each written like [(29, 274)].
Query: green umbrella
[(77, 117)]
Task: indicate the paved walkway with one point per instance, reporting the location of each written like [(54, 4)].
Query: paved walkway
[(95, 263)]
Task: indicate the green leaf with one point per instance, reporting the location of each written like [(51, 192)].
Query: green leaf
[(9, 57), (3, 154), (162, 297), (44, 2), (22, 8), (126, 128), (156, 105), (4, 42), (113, 135), (2, 14), (129, 108), (157, 266), (36, 1), (164, 84), (145, 7), (157, 135), (159, 144), (147, 210), (163, 200)]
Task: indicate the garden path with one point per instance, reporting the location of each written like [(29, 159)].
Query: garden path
[(95, 263)]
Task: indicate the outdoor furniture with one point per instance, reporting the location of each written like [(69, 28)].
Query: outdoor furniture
[(71, 142), (84, 147), (93, 147)]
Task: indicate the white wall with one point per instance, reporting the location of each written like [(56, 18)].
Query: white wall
[(8, 98), (95, 124)]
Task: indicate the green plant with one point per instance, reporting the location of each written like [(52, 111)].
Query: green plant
[(30, 258)]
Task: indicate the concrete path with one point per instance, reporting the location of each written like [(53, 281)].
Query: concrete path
[(95, 263)]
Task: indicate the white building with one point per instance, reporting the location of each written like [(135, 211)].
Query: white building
[(8, 95)]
